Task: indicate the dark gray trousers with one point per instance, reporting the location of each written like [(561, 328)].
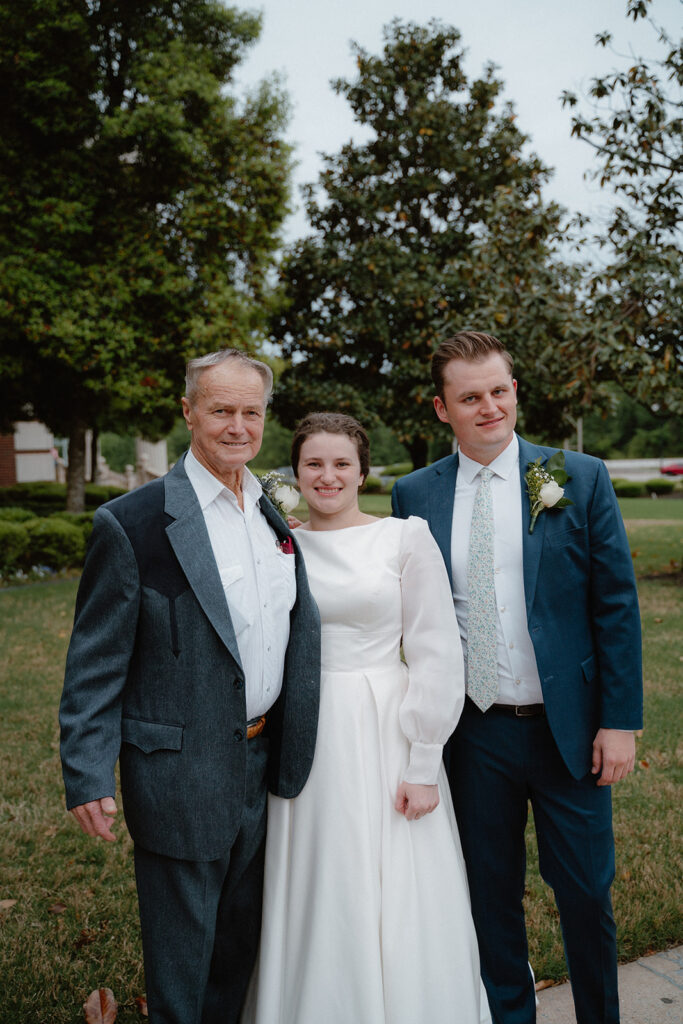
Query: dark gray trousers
[(201, 921)]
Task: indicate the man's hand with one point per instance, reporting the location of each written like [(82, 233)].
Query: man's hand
[(614, 755), (96, 817), (415, 801)]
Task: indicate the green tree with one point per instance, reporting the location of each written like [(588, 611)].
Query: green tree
[(635, 130), (140, 205), (434, 224)]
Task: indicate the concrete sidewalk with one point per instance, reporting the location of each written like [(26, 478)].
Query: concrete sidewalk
[(650, 992)]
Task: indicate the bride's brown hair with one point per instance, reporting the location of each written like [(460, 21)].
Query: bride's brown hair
[(332, 423)]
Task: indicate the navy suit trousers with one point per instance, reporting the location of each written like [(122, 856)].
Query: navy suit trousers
[(496, 764), (201, 920)]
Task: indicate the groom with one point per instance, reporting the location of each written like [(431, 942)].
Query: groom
[(551, 632), (195, 661)]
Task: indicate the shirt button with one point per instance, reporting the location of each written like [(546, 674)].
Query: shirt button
[(496, 570), (503, 608), (518, 682), (511, 644)]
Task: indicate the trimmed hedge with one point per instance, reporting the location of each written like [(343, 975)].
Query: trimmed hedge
[(628, 488), (398, 469), (372, 485), (11, 514), (43, 497), (659, 486), (55, 543), (14, 543)]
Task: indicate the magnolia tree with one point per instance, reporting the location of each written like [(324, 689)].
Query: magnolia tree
[(433, 224)]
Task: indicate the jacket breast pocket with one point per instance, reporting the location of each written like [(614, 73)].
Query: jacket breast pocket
[(151, 736), (576, 536)]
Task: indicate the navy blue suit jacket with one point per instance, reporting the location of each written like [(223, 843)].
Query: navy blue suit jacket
[(581, 600), (154, 678)]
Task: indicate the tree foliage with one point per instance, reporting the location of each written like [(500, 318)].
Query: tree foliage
[(140, 205), (434, 224), (636, 130)]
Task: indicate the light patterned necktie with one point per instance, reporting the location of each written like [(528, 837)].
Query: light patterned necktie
[(482, 641)]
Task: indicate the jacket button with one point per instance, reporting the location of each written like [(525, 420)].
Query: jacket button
[(238, 684), (239, 735)]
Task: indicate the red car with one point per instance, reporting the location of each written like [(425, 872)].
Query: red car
[(673, 469)]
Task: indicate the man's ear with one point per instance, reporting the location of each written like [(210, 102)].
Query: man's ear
[(187, 412), (440, 409)]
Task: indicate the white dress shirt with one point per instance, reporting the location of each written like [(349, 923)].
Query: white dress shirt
[(258, 580), (518, 678)]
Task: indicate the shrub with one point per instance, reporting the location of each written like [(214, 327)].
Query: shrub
[(55, 543), (658, 486), (14, 541), (399, 469), (12, 514), (80, 519), (628, 488), (372, 485), (43, 497)]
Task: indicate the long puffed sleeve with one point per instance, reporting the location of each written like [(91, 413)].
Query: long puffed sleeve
[(431, 645)]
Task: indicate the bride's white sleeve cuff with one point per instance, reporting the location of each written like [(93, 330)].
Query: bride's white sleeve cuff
[(425, 761)]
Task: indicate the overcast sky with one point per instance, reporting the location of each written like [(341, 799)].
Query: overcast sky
[(540, 47)]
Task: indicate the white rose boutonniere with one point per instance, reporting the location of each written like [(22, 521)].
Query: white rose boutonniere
[(281, 495), (544, 484)]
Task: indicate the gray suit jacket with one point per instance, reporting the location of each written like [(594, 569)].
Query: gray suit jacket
[(153, 677)]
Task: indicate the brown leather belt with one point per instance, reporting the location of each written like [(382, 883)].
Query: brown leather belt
[(255, 727), (519, 710)]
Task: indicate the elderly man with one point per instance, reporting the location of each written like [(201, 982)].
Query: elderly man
[(548, 613), (194, 660)]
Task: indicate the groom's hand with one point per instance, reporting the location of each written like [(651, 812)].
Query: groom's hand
[(97, 817), (415, 801), (614, 755)]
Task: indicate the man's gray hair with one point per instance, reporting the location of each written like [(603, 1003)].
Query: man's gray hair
[(195, 368)]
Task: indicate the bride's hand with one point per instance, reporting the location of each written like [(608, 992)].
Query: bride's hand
[(414, 801)]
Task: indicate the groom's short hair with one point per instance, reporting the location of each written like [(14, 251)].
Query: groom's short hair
[(472, 347)]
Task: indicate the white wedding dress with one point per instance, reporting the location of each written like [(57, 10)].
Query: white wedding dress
[(366, 916)]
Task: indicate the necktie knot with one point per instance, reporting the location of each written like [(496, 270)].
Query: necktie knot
[(485, 474)]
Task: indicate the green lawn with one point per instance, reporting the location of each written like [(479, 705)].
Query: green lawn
[(73, 926)]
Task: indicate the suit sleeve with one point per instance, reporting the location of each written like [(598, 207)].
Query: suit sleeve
[(614, 611), (97, 663), (395, 501)]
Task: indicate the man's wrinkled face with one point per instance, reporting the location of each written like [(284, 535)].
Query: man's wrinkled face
[(226, 418)]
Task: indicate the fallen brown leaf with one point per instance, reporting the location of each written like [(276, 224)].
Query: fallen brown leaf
[(141, 1004), (100, 1007), (57, 908), (546, 983), (7, 904), (659, 620), (85, 939), (644, 764)]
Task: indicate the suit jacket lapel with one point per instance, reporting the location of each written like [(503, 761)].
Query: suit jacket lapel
[(189, 539), (532, 542), (441, 496)]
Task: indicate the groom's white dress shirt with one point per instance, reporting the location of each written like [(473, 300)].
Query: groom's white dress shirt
[(518, 679), (258, 580)]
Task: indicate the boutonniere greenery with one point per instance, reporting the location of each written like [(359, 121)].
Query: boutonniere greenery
[(544, 484), (283, 497)]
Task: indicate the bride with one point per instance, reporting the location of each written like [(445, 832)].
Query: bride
[(366, 915)]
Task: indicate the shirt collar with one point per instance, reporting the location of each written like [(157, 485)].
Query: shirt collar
[(503, 465), (207, 486)]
